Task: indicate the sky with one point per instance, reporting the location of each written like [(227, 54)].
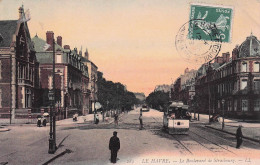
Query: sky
[(131, 41)]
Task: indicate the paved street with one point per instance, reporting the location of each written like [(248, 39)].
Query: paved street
[(28, 144)]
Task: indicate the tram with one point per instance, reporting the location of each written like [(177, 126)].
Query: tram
[(176, 118)]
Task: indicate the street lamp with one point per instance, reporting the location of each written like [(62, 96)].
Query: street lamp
[(94, 97), (52, 139), (223, 103)]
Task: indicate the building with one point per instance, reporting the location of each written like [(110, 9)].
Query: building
[(183, 88), (18, 69), (164, 88), (71, 77), (231, 85), (92, 87)]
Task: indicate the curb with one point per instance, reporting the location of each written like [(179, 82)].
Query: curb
[(245, 137)]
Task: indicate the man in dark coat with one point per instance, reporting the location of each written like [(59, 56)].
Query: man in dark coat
[(114, 146), (141, 122), (239, 136)]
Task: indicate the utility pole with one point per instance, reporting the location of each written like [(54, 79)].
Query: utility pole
[(223, 113), (52, 139), (94, 97)]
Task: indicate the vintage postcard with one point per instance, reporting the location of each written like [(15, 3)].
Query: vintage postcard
[(129, 82)]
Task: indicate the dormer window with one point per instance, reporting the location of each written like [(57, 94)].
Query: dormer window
[(244, 67)]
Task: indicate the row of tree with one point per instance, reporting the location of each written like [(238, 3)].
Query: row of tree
[(114, 95), (158, 100)]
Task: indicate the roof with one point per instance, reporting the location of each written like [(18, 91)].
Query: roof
[(40, 44), (7, 30), (250, 47)]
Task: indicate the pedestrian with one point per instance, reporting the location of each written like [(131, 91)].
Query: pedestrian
[(116, 119), (39, 118), (239, 136), (114, 146), (44, 121), (97, 119), (141, 121)]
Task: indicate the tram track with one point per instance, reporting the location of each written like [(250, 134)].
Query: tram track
[(185, 141), (210, 142)]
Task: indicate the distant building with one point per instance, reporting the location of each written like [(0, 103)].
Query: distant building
[(140, 96), (92, 87), (183, 88), (18, 69), (164, 88)]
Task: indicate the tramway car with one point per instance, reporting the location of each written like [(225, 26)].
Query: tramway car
[(176, 118)]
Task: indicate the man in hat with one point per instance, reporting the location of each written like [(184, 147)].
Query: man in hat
[(114, 146), (239, 136)]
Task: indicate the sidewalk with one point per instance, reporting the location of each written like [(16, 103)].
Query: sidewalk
[(251, 131), (32, 146)]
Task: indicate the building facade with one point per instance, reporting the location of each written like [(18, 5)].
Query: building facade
[(92, 87), (231, 85), (18, 69), (71, 76), (184, 87)]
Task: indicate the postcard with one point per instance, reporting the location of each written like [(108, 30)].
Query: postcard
[(130, 82)]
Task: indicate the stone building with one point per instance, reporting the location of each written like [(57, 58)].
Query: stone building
[(18, 69), (231, 85), (184, 87), (71, 76), (92, 87)]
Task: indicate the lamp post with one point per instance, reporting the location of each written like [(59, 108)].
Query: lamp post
[(52, 139), (94, 97), (223, 103)]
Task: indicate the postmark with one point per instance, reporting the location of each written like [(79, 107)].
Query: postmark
[(219, 17), (200, 48)]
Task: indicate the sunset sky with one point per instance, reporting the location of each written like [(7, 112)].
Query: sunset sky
[(131, 41)]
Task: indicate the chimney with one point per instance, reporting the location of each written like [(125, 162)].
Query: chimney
[(66, 47), (86, 54), (59, 40), (186, 70), (20, 12), (226, 57), (235, 53), (76, 50), (219, 60), (50, 38)]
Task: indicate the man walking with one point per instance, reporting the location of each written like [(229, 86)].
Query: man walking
[(141, 121), (114, 146), (239, 136), (116, 119)]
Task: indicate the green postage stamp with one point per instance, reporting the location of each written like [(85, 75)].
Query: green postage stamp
[(210, 22)]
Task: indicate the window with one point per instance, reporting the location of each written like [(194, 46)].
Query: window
[(256, 67), (28, 98), (244, 67), (243, 84), (50, 82), (257, 105), (229, 105), (0, 69), (235, 105), (257, 84), (244, 105), (0, 98), (59, 59)]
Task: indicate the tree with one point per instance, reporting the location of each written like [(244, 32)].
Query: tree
[(158, 99), (114, 95)]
